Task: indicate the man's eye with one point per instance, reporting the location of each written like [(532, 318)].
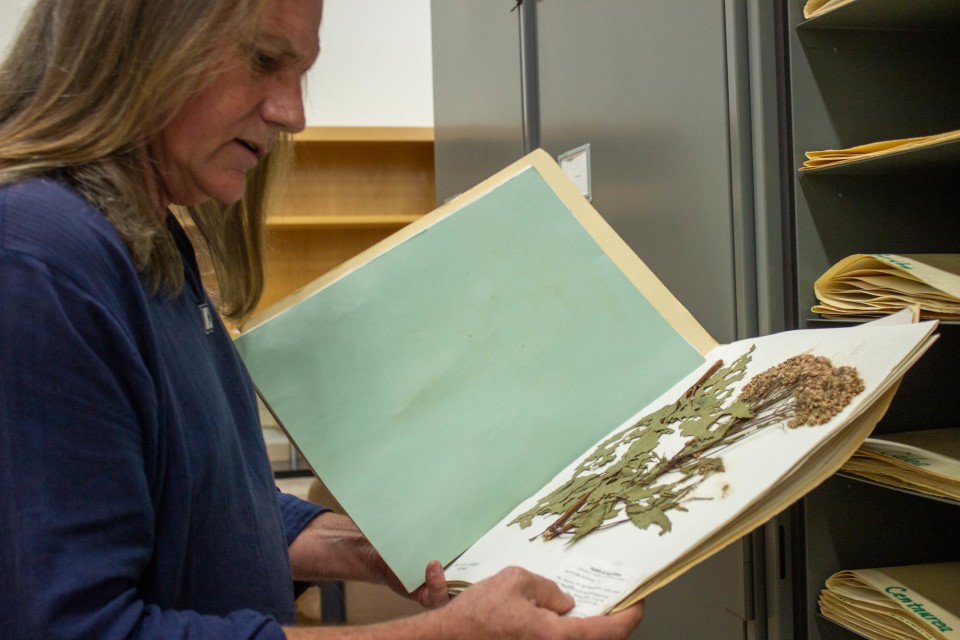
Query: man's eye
[(265, 62)]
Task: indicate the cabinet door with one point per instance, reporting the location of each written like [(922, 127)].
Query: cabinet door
[(478, 103), (647, 84), (656, 87)]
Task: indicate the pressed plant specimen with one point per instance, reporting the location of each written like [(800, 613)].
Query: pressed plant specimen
[(625, 479)]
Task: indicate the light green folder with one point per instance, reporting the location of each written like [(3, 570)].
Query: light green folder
[(447, 373)]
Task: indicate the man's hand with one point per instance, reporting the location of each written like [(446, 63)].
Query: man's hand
[(512, 604), (331, 547), (518, 604), (433, 593)]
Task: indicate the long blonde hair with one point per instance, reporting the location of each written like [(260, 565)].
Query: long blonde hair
[(88, 83)]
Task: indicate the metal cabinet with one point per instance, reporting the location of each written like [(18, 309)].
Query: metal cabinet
[(478, 91), (678, 104), (873, 70)]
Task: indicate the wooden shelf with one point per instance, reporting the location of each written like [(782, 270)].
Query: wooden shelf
[(349, 177), (365, 134), (341, 221), (349, 188)]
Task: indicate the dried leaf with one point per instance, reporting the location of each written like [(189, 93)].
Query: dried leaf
[(625, 472), (643, 517)]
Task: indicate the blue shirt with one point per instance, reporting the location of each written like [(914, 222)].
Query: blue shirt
[(137, 497)]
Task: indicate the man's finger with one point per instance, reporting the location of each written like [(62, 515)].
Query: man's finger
[(546, 594), (615, 625), (436, 584)]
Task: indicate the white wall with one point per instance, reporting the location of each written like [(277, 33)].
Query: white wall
[(10, 14), (375, 66)]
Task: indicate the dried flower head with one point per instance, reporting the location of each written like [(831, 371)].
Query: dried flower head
[(808, 386)]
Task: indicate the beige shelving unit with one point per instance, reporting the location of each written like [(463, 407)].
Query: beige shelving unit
[(350, 187)]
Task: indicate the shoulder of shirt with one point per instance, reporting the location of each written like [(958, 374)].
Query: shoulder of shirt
[(48, 220)]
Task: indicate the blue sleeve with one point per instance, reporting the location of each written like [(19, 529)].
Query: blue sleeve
[(76, 516), (296, 514)]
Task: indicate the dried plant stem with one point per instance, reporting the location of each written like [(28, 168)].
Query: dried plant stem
[(624, 474)]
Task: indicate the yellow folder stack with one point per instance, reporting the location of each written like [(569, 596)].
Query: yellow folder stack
[(828, 157), (918, 602), (925, 461), (880, 284)]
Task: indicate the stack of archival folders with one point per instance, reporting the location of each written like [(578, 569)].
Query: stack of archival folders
[(879, 149), (872, 285), (907, 602), (916, 602), (924, 461)]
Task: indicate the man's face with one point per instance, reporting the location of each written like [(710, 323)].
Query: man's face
[(225, 129)]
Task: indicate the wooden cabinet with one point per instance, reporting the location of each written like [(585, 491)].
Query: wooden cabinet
[(350, 187), (868, 71)]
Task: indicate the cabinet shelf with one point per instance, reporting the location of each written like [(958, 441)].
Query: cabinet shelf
[(813, 322), (837, 630), (365, 134), (940, 156), (893, 15), (348, 188), (915, 494), (345, 221)]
